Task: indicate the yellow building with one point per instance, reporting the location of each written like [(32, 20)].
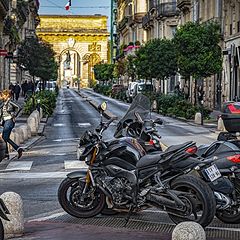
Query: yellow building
[(80, 42)]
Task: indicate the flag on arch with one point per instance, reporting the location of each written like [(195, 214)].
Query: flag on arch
[(68, 5)]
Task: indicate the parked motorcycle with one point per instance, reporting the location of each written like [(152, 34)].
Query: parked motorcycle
[(3, 215), (157, 180), (226, 154)]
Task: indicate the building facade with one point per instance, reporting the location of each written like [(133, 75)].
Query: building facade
[(80, 42), (18, 21)]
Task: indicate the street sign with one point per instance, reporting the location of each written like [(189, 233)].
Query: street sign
[(3, 52)]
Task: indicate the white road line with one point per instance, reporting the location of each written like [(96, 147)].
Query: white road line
[(65, 139), (55, 215), (59, 124), (19, 166), (84, 124), (74, 165), (45, 175)]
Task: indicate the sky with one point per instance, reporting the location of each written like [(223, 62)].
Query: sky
[(79, 7)]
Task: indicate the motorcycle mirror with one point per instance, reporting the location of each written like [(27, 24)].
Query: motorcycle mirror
[(102, 107), (158, 121)]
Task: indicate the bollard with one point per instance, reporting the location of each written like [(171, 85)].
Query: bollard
[(14, 203), (220, 126), (24, 132), (15, 136), (198, 118), (36, 114), (29, 131), (20, 134), (188, 231), (31, 121)]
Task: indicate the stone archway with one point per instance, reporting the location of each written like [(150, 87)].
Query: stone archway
[(69, 66), (89, 61)]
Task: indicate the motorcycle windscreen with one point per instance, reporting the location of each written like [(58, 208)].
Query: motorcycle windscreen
[(142, 105)]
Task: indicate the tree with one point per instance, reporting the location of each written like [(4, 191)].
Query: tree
[(198, 52), (104, 72), (38, 58), (157, 59)]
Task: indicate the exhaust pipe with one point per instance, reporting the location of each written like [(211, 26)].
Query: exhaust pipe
[(162, 201), (223, 201)]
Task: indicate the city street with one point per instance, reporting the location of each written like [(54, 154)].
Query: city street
[(37, 175)]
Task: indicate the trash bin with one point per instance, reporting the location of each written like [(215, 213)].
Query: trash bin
[(231, 122)]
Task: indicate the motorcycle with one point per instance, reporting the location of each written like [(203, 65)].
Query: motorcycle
[(226, 154), (3, 214), (161, 180)]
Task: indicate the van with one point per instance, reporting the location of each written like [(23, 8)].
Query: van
[(50, 86)]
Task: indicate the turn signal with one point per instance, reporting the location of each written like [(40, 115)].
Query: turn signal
[(151, 142), (192, 150), (234, 158)]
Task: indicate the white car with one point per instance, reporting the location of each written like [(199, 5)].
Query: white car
[(50, 86)]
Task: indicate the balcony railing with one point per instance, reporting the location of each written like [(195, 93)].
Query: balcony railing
[(152, 5), (147, 21), (183, 4), (167, 9), (123, 23), (5, 4)]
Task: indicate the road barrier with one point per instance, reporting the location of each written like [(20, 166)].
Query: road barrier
[(188, 231), (14, 203)]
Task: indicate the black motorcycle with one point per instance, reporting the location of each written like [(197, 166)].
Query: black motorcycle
[(3, 214), (159, 180)]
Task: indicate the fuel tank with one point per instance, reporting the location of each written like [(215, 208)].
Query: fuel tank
[(126, 148)]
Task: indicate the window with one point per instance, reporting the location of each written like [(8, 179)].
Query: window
[(230, 29)]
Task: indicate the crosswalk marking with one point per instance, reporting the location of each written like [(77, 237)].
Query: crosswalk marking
[(19, 166), (29, 175), (74, 165), (84, 124)]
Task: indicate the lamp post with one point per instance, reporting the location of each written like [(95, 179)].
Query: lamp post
[(112, 30)]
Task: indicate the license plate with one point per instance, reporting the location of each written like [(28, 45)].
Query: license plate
[(213, 172), (80, 151)]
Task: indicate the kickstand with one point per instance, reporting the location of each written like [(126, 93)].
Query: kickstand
[(128, 216)]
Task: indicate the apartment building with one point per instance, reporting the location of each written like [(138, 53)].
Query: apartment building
[(18, 21)]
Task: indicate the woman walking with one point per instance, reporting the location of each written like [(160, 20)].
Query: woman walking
[(9, 112)]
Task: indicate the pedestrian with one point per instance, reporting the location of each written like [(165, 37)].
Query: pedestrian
[(11, 88), (17, 90), (8, 118), (186, 91), (200, 94), (24, 87)]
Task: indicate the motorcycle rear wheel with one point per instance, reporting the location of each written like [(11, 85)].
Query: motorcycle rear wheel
[(199, 199), (75, 203), (228, 217), (1, 231)]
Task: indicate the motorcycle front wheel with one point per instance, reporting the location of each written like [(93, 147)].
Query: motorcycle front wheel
[(79, 204), (198, 198)]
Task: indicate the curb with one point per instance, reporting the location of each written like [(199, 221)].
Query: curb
[(107, 114)]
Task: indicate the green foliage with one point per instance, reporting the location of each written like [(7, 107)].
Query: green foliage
[(104, 72), (47, 102), (130, 67), (103, 89), (198, 52), (157, 59), (38, 58), (176, 106), (11, 30)]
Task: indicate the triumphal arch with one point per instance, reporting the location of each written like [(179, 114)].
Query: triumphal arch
[(80, 42)]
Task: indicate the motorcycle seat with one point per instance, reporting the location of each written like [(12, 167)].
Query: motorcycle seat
[(155, 157), (149, 159)]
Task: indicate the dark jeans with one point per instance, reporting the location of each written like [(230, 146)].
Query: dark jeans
[(8, 125)]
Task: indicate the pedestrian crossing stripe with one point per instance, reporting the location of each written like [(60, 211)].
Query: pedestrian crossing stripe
[(19, 166)]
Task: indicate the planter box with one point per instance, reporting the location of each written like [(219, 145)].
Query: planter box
[(231, 122)]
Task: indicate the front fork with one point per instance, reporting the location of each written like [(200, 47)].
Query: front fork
[(89, 176)]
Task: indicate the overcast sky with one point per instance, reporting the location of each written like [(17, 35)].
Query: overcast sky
[(79, 7)]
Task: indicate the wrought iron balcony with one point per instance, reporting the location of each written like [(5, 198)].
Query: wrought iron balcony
[(183, 4), (147, 21), (123, 23), (5, 4), (152, 5), (167, 9)]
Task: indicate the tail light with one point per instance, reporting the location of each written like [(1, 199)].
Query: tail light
[(191, 150), (234, 158), (151, 142)]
